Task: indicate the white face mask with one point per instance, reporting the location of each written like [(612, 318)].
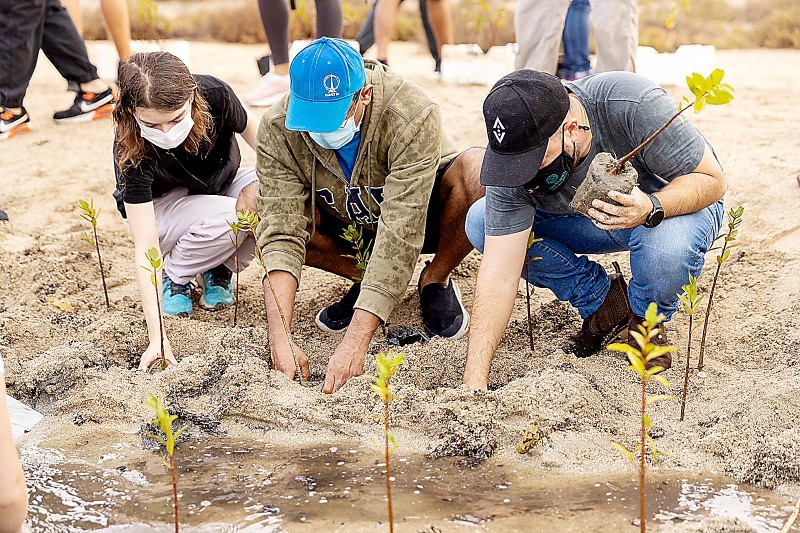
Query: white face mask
[(336, 139), (173, 137)]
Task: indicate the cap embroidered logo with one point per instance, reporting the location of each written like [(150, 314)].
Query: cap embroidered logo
[(331, 83), (499, 130)]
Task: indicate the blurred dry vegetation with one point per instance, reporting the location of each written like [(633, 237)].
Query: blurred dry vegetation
[(723, 23)]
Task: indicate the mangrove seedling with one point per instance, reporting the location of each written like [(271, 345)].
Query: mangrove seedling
[(164, 421), (90, 214), (355, 236), (532, 239), (734, 220), (387, 365), (690, 301), (156, 264), (235, 229), (639, 357), (248, 222), (607, 173)]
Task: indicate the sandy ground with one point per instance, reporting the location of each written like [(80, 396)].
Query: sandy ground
[(77, 368)]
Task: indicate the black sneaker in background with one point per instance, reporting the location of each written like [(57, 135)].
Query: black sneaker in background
[(443, 312), (3, 216), (13, 124), (87, 107), (336, 317)]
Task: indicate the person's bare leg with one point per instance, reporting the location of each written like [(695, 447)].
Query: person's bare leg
[(459, 190), (385, 15), (441, 22), (115, 13), (74, 10)]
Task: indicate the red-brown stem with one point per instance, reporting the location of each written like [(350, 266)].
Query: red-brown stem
[(528, 301), (621, 163), (686, 375), (280, 309), (642, 511), (236, 288), (174, 489), (160, 326), (388, 468), (708, 312), (102, 273)]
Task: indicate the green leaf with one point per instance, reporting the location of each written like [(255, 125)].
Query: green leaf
[(659, 398), (716, 76), (628, 455), (652, 444), (699, 104), (661, 379), (647, 421)]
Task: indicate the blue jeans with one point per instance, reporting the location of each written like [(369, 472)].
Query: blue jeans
[(576, 38), (661, 257)]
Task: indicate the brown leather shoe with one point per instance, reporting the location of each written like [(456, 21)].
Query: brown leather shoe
[(608, 321), (664, 360)]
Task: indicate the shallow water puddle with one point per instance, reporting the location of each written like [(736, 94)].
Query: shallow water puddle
[(238, 486)]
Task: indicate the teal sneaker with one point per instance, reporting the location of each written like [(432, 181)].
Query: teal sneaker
[(217, 289), (177, 299)]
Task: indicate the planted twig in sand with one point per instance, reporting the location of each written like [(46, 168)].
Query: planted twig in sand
[(164, 421), (639, 357), (156, 264), (734, 219), (531, 241), (387, 364), (690, 301), (90, 214)]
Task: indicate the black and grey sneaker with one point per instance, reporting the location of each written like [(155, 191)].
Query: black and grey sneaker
[(3, 216), (336, 317), (13, 124), (443, 312), (87, 107)]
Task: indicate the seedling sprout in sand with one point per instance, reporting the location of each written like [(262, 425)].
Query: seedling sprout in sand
[(156, 264), (164, 421), (90, 214)]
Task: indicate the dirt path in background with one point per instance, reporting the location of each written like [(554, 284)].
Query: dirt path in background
[(78, 368)]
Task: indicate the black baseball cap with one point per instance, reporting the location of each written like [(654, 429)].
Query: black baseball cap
[(522, 111)]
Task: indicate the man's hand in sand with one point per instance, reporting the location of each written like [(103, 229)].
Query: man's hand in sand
[(348, 359), (153, 354), (283, 360)]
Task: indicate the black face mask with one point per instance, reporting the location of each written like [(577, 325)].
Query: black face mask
[(553, 177)]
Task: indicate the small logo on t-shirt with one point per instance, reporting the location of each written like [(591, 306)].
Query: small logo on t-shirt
[(499, 130), (331, 83)]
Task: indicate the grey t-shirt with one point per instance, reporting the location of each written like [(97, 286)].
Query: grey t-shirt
[(624, 109)]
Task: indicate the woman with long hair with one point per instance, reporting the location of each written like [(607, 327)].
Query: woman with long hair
[(179, 183)]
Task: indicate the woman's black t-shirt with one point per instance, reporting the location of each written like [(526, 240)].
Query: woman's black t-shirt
[(210, 171)]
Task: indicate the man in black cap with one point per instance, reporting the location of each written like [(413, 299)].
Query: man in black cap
[(542, 138)]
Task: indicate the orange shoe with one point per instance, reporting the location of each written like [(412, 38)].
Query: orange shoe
[(87, 107), (12, 125)]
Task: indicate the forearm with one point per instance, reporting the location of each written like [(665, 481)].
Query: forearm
[(690, 193), (360, 331), (148, 294), (13, 494), (494, 300), (285, 286)]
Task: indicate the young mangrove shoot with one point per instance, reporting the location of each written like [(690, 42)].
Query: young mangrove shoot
[(90, 214), (156, 263), (387, 365), (164, 421), (706, 91), (639, 357), (235, 229), (532, 239), (355, 236), (734, 220), (248, 222), (690, 301)]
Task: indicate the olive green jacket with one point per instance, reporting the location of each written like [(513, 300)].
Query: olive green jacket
[(402, 147)]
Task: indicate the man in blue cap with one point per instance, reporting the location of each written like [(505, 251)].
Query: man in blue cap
[(355, 143)]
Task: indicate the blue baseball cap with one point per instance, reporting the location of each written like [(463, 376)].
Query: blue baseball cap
[(323, 78)]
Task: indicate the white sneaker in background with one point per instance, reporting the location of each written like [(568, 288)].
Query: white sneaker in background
[(271, 88)]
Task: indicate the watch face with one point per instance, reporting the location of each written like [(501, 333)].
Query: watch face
[(655, 218)]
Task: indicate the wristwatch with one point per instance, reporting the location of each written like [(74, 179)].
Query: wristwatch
[(656, 215)]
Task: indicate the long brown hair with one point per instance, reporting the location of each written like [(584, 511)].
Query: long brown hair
[(156, 80)]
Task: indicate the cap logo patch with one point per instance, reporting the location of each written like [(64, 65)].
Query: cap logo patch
[(499, 130), (331, 83)]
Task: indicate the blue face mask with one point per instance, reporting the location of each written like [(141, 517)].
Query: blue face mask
[(336, 139)]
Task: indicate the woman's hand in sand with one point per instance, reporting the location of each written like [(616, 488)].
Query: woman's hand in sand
[(153, 354), (282, 359)]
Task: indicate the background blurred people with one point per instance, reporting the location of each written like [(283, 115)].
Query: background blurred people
[(27, 27), (366, 34), (115, 13), (438, 12), (539, 28), (575, 41), (275, 18), (13, 493)]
